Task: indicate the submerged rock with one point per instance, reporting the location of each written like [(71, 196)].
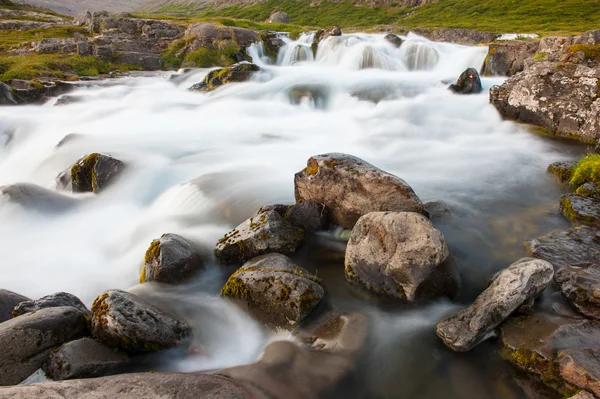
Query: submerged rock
[(275, 290), (26, 341), (171, 259), (578, 246), (241, 72), (581, 285), (350, 188), (36, 198), (394, 39), (468, 83), (95, 172), (83, 358), (50, 301), (563, 170), (402, 255), (514, 286), (8, 301), (581, 209), (265, 233), (124, 321)]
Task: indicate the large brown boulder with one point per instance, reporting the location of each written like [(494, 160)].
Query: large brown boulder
[(350, 188), (207, 35)]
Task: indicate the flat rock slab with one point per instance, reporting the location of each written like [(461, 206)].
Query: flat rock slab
[(579, 246), (581, 285), (135, 386), (585, 210)]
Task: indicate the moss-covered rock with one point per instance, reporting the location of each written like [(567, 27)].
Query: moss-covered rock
[(589, 190), (240, 72), (95, 172), (171, 259), (585, 210), (272, 42), (275, 290), (467, 83), (563, 170)]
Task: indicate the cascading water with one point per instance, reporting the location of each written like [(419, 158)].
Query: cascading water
[(199, 164)]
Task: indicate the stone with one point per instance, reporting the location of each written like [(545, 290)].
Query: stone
[(522, 280), (580, 209), (469, 37), (563, 170), (272, 43), (582, 395), (240, 72), (350, 188), (148, 61), (171, 259), (265, 233), (26, 341), (54, 45), (138, 385), (36, 198), (400, 254), (437, 209), (6, 95), (66, 100), (279, 17), (581, 286), (506, 58), (8, 301), (83, 358), (589, 189), (335, 332), (56, 300), (309, 215), (83, 18), (124, 321), (581, 368), (395, 40), (95, 172), (579, 246), (468, 83), (275, 291)]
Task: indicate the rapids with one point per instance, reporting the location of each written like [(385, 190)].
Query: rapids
[(202, 163)]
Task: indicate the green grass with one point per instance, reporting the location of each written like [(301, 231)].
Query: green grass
[(590, 52), (587, 170), (11, 39)]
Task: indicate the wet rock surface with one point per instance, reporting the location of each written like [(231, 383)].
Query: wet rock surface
[(241, 72), (350, 188), (514, 286), (8, 301), (400, 254), (585, 210), (275, 290), (95, 172), (467, 83), (394, 39), (563, 170), (578, 246), (171, 259), (581, 285), (50, 301)]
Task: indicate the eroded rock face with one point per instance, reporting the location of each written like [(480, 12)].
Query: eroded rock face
[(400, 254), (275, 290), (50, 301), (265, 233), (585, 210), (241, 72), (95, 172), (579, 246), (468, 83), (506, 58), (124, 321), (26, 341), (581, 285), (563, 170), (8, 301), (513, 287), (83, 358), (171, 259), (350, 188)]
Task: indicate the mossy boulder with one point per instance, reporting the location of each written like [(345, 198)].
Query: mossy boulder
[(401, 255), (580, 284), (580, 209), (171, 259), (272, 43), (576, 247), (589, 190), (514, 286), (124, 321), (240, 72), (468, 82), (8, 301), (350, 188), (275, 290), (563, 170), (267, 232), (95, 172), (50, 301)]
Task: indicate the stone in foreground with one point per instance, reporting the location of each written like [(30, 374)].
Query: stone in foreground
[(8, 301), (265, 233), (275, 290), (50, 301), (26, 341), (124, 321), (95, 172), (401, 254), (578, 246), (468, 83), (585, 210), (350, 188), (171, 259), (84, 358), (522, 280), (581, 285)]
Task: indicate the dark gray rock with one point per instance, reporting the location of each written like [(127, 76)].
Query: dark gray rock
[(26, 341), (124, 321), (310, 216), (579, 247), (581, 286), (437, 209), (68, 99), (507, 58), (514, 286), (468, 83), (171, 259), (6, 95), (265, 233), (84, 358), (272, 42), (276, 291), (95, 172), (563, 170), (580, 209), (32, 197), (394, 39), (589, 190), (50, 301), (8, 301)]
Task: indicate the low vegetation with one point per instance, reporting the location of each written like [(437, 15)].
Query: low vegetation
[(590, 52), (587, 170)]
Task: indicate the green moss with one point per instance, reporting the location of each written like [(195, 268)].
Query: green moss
[(235, 288), (540, 56), (153, 252), (587, 170), (591, 52), (143, 275), (564, 174), (173, 55), (206, 57), (82, 173), (312, 167)]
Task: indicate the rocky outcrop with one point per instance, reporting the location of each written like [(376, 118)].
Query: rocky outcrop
[(83, 358), (8, 301), (279, 17), (265, 233), (577, 247), (36, 198), (468, 37), (276, 291), (95, 172), (581, 285), (589, 189), (124, 321), (467, 83), (521, 281), (207, 35), (563, 170), (323, 34), (26, 341), (241, 72), (50, 301), (400, 254), (350, 188), (7, 96), (580, 209), (171, 259), (506, 58)]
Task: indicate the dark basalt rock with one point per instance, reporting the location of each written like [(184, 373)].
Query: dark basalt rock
[(585, 210), (468, 83), (50, 301), (95, 172), (437, 209), (171, 259), (8, 301)]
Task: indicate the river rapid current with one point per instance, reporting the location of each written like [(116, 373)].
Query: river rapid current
[(199, 164)]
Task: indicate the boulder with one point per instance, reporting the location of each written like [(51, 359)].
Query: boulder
[(400, 254), (8, 301), (279, 17), (272, 42), (468, 83), (171, 259), (577, 247), (513, 287), (138, 385), (323, 34), (50, 301), (7, 96), (240, 72), (506, 58), (265, 233), (68, 99), (310, 216), (276, 291), (582, 395), (207, 35), (585, 210), (437, 209), (563, 170), (83, 18), (95, 172), (335, 332), (350, 188), (36, 198), (26, 341), (395, 40), (124, 321), (581, 285), (589, 190)]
